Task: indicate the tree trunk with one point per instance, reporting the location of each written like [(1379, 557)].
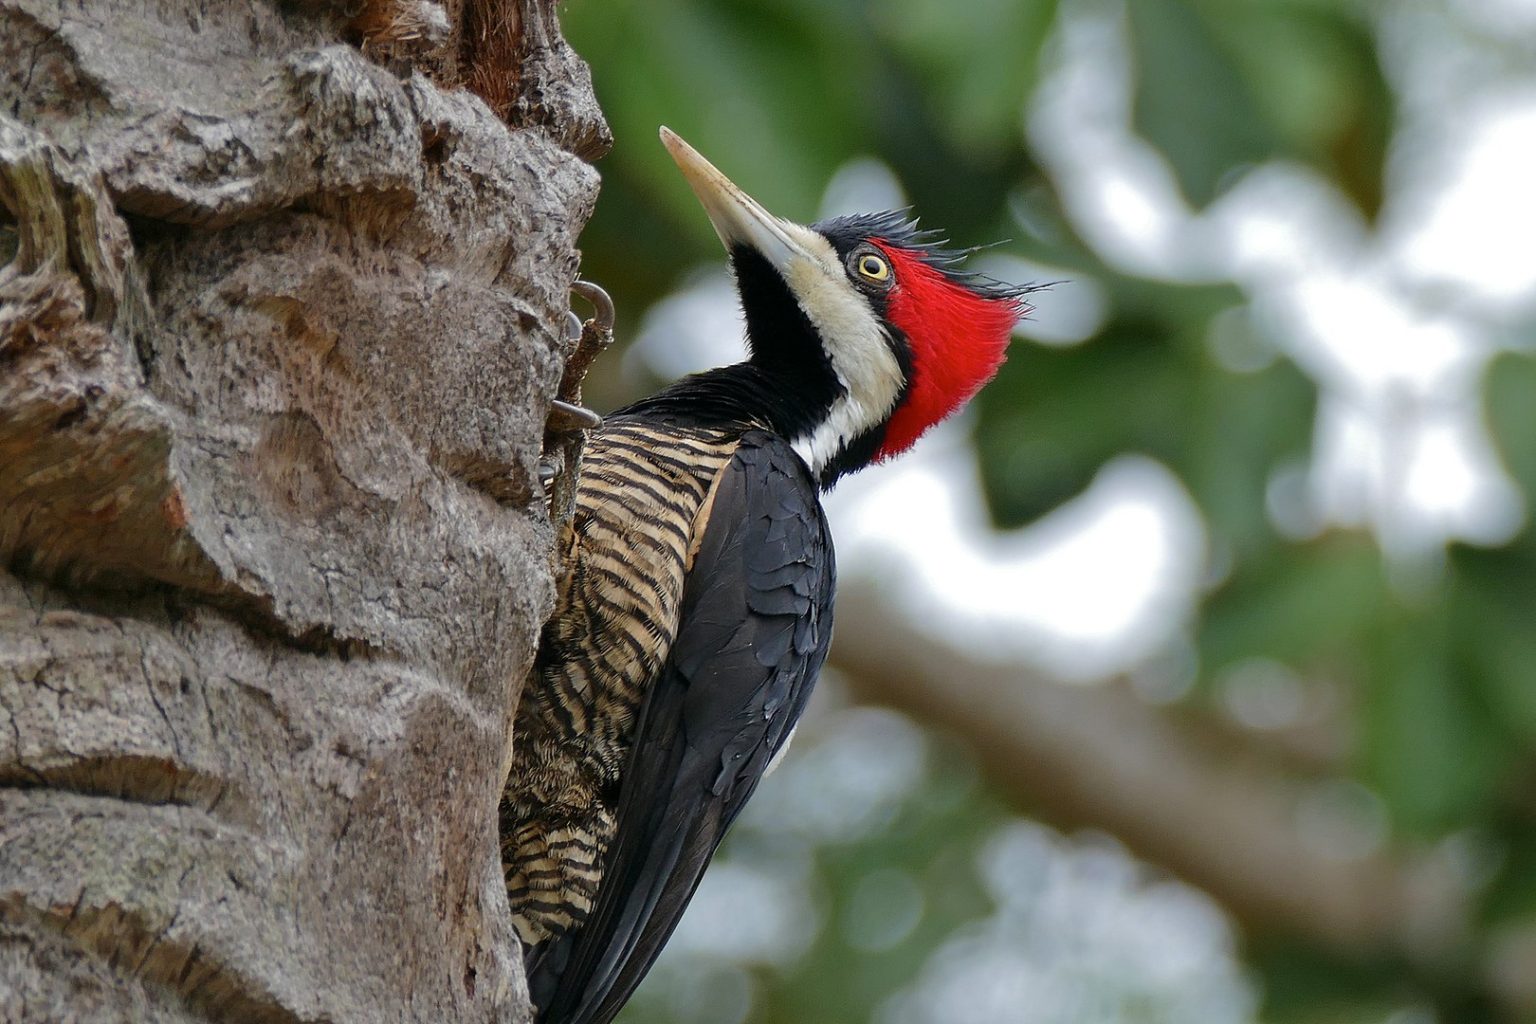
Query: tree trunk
[(279, 317)]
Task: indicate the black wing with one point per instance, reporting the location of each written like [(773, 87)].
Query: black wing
[(756, 620)]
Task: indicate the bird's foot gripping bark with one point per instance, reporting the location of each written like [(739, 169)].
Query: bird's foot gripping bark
[(560, 465)]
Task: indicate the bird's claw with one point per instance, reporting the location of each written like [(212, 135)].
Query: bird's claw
[(592, 337), (568, 416), (568, 419), (588, 339), (602, 305)]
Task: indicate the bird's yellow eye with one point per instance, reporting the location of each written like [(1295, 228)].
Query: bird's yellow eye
[(873, 268)]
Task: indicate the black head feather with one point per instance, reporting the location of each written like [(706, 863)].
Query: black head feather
[(901, 230)]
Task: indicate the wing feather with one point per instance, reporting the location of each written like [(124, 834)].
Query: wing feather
[(755, 623)]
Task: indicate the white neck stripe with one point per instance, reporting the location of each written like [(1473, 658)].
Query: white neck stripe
[(856, 344)]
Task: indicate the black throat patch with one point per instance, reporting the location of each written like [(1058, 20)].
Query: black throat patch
[(784, 345)]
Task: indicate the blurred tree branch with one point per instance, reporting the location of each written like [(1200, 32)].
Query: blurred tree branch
[(1179, 792)]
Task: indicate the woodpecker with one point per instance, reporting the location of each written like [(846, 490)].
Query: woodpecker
[(694, 603)]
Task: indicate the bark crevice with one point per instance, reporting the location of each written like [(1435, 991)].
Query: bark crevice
[(279, 322), (117, 938)]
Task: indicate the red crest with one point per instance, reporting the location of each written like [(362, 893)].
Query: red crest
[(958, 339)]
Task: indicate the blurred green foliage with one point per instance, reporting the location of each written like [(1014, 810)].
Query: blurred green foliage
[(1440, 674)]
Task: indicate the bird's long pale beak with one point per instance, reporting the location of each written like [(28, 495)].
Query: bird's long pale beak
[(738, 218)]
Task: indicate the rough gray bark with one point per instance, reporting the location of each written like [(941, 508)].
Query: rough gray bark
[(279, 317)]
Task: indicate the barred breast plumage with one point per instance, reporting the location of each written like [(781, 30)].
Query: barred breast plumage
[(623, 556), (695, 608)]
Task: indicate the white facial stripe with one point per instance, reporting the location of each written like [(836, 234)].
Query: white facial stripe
[(855, 342)]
